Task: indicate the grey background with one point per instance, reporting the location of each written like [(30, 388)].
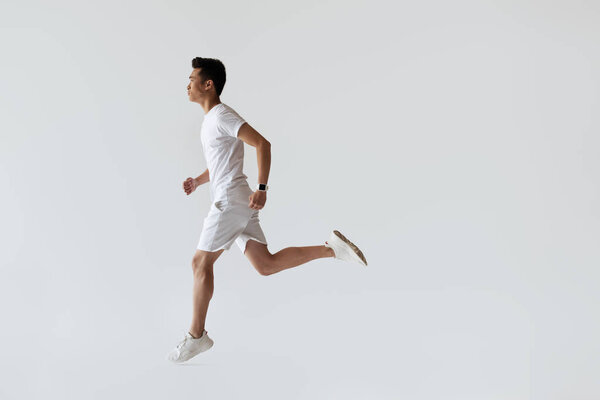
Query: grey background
[(455, 142)]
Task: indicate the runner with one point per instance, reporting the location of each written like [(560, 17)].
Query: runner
[(233, 215)]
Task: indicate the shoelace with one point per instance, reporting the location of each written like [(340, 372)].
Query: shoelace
[(182, 342)]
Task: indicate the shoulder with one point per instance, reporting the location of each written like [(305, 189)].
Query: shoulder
[(227, 115), (227, 110), (229, 121)]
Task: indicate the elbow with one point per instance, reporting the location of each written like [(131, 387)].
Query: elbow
[(265, 144)]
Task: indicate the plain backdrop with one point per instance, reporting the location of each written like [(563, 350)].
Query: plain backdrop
[(456, 143)]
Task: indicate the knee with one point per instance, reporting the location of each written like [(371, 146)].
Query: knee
[(201, 266), (264, 267), (263, 271)]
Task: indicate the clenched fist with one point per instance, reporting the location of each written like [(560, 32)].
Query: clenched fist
[(189, 185), (257, 200)]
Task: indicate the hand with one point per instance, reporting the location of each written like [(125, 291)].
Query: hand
[(257, 199), (189, 185)]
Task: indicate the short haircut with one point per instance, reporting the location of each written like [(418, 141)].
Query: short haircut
[(212, 69)]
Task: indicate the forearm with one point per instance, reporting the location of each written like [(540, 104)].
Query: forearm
[(263, 154), (202, 178)]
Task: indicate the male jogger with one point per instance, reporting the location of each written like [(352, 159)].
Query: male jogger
[(233, 214)]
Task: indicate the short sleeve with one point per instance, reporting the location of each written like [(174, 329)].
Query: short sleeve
[(230, 122)]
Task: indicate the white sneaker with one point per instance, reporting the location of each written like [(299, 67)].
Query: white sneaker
[(190, 347), (344, 249)]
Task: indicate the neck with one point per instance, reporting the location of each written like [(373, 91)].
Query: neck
[(210, 103)]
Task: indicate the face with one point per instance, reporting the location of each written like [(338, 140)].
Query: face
[(196, 89)]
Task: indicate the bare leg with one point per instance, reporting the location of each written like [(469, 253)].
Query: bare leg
[(202, 267), (294, 256), (267, 263)]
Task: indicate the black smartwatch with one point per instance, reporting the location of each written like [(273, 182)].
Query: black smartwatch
[(262, 187)]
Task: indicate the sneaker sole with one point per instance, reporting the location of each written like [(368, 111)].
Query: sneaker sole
[(352, 246)]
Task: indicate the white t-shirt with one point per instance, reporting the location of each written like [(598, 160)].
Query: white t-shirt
[(223, 151)]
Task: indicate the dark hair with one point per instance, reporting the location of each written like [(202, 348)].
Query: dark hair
[(212, 69)]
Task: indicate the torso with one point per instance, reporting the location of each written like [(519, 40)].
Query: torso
[(224, 153)]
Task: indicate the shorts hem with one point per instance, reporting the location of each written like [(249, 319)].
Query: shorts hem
[(224, 247), (249, 239)]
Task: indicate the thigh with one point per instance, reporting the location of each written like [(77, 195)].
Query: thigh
[(206, 257), (221, 227), (257, 253), (253, 231)]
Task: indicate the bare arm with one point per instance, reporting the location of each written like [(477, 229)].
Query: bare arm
[(190, 184), (263, 150), (263, 153), (202, 178)]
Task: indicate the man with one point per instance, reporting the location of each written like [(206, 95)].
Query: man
[(233, 216)]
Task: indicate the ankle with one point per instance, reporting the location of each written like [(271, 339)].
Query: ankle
[(196, 334)]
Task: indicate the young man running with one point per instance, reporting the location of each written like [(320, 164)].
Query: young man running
[(233, 214)]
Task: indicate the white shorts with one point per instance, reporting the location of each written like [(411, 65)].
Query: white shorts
[(231, 220)]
